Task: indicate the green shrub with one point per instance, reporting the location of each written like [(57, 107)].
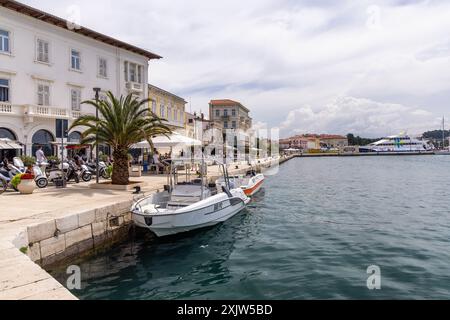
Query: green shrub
[(16, 180), (28, 161), (103, 157)]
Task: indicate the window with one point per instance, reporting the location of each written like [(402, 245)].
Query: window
[(133, 72), (75, 95), (133, 77), (75, 59), (175, 115), (42, 51), (154, 107), (139, 71), (102, 68), (181, 116), (126, 70), (225, 113), (4, 90), (43, 94), (225, 124), (217, 113), (169, 113), (4, 41), (162, 111), (233, 112), (233, 124)]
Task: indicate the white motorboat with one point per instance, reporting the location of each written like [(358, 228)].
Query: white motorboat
[(251, 183), (186, 206)]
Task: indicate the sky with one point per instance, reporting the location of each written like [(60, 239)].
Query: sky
[(372, 68)]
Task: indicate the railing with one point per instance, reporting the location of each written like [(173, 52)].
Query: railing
[(6, 107), (46, 111), (134, 86)]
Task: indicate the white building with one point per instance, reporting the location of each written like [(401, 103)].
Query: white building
[(48, 66)]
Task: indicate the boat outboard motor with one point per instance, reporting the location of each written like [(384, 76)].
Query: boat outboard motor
[(225, 189)]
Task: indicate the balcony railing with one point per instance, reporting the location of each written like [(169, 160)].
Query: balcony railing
[(46, 112), (51, 112), (134, 86), (5, 107)]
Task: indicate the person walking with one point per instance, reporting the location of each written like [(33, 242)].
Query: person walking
[(40, 156)]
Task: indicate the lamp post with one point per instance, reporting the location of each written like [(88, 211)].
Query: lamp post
[(96, 90)]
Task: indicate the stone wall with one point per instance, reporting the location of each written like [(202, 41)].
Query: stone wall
[(78, 234)]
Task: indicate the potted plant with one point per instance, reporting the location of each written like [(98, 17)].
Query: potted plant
[(28, 162), (24, 182)]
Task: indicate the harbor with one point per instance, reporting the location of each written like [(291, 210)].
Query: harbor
[(297, 242), (288, 152), (54, 225)]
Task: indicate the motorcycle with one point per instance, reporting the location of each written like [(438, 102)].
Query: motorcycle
[(102, 169), (39, 177), (6, 176), (85, 174)]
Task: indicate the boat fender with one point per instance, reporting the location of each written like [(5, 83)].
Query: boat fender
[(225, 189)]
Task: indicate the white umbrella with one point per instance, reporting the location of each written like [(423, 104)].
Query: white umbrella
[(173, 140)]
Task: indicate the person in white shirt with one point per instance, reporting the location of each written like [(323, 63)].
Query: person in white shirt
[(156, 160), (40, 156)]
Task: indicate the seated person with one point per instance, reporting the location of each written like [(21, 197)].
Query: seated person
[(156, 160)]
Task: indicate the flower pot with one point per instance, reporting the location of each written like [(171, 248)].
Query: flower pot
[(26, 186)]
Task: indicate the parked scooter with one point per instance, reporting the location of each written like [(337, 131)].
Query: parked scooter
[(39, 177), (102, 169), (6, 175), (85, 173)]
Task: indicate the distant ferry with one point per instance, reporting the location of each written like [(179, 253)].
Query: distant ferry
[(398, 143)]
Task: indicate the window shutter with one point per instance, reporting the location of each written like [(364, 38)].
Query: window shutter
[(40, 95), (46, 59)]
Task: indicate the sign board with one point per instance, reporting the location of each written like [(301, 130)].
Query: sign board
[(62, 128)]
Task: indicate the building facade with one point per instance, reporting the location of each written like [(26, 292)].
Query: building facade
[(231, 114), (235, 120), (168, 106), (49, 66)]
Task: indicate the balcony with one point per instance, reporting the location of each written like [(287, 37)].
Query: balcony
[(134, 86), (36, 111), (7, 108)]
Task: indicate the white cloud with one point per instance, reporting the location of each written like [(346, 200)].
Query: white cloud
[(361, 116), (276, 55)]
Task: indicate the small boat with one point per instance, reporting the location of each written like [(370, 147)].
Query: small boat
[(188, 205), (250, 183)]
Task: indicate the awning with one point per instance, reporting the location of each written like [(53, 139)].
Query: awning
[(8, 144), (173, 140)]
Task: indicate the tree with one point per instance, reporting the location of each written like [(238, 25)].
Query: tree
[(122, 122)]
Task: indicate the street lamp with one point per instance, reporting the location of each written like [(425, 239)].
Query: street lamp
[(96, 90)]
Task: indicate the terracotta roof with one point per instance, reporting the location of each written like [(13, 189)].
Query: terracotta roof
[(227, 102), (62, 23)]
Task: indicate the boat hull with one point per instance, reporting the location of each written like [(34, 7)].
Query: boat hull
[(254, 188), (208, 213)]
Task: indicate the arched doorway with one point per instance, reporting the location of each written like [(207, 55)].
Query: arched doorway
[(8, 153), (6, 133), (43, 138)]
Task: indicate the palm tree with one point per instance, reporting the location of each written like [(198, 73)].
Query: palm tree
[(122, 123)]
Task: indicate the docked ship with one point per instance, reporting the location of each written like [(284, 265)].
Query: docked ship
[(401, 143)]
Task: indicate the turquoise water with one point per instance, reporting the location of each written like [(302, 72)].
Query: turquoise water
[(311, 233)]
